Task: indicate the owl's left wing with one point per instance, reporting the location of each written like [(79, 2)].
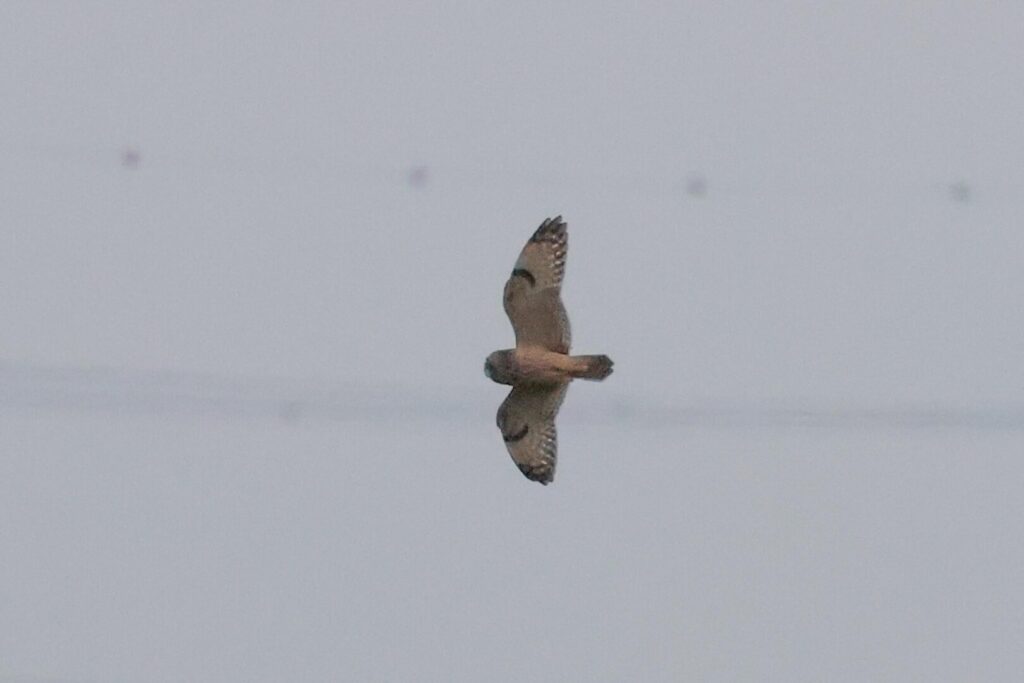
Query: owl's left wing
[(533, 293), (527, 423)]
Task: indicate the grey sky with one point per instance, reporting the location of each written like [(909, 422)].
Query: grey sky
[(269, 230), (826, 259)]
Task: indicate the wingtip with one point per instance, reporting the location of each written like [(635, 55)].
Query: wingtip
[(542, 474), (550, 228)]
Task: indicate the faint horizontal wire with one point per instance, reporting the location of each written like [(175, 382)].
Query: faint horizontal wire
[(64, 389), (168, 392)]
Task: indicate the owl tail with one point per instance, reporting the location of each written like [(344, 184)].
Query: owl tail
[(591, 367)]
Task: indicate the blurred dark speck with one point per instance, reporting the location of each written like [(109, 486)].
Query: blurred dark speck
[(418, 176), (697, 186), (130, 157), (292, 411), (960, 191)]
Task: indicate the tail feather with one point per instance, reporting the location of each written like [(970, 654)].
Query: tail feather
[(592, 367)]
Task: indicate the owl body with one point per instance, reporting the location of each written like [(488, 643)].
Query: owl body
[(530, 365)]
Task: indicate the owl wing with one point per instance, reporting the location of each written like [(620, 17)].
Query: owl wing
[(533, 293), (527, 423)]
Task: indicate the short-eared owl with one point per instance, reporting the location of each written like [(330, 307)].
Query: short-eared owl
[(539, 368)]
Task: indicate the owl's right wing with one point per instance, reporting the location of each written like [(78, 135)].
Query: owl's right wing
[(527, 423), (533, 293)]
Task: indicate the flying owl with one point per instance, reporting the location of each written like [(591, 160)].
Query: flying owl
[(539, 368)]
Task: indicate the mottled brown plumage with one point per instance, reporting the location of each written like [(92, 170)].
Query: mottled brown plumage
[(539, 369)]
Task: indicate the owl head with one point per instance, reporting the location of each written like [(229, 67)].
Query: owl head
[(499, 367)]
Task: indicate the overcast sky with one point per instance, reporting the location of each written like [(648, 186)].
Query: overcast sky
[(269, 227), (769, 203)]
